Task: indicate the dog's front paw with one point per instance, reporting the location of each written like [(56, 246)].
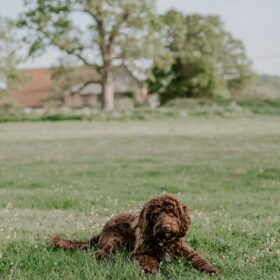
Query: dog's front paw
[(99, 255), (148, 264), (151, 270)]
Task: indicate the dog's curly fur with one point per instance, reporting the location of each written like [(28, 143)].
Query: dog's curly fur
[(151, 235)]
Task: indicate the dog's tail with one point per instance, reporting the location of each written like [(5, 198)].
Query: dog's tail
[(65, 244)]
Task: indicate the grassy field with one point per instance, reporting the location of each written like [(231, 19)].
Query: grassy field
[(70, 177)]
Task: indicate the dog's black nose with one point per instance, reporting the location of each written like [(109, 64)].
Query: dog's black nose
[(166, 227)]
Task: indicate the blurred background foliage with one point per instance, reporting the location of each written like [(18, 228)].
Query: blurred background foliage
[(208, 60), (10, 58), (10, 55), (175, 55)]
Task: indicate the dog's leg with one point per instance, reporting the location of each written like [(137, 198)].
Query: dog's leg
[(147, 263), (112, 244), (66, 244), (196, 260)]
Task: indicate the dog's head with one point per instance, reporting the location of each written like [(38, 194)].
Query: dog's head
[(164, 218)]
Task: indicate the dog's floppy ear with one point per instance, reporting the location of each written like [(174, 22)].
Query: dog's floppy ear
[(185, 219), (143, 221)]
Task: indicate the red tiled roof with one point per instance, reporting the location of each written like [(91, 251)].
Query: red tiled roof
[(36, 89)]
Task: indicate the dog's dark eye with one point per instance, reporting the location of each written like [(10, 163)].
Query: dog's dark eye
[(154, 216)]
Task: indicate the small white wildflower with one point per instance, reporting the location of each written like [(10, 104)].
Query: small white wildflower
[(9, 205)]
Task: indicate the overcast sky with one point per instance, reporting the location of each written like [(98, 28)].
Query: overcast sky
[(256, 22)]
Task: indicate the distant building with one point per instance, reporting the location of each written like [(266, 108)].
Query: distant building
[(37, 87), (78, 88)]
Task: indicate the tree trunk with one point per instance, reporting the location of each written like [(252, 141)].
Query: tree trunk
[(108, 89)]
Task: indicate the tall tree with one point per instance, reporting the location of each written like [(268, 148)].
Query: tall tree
[(98, 33), (208, 60), (9, 56)]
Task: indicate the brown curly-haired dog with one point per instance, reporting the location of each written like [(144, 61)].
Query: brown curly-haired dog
[(152, 235)]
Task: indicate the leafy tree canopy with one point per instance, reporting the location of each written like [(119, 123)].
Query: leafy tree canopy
[(208, 61)]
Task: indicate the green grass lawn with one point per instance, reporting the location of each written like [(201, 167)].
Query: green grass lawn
[(70, 177)]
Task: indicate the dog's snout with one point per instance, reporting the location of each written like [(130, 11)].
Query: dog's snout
[(166, 227)]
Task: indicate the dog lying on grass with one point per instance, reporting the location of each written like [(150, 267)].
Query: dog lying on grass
[(152, 235)]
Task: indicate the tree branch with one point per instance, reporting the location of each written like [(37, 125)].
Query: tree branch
[(83, 86), (100, 27), (117, 27), (78, 55), (72, 51)]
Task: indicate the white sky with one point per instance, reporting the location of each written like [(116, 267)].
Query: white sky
[(255, 22)]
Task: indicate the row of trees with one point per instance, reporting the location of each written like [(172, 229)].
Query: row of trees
[(178, 55)]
